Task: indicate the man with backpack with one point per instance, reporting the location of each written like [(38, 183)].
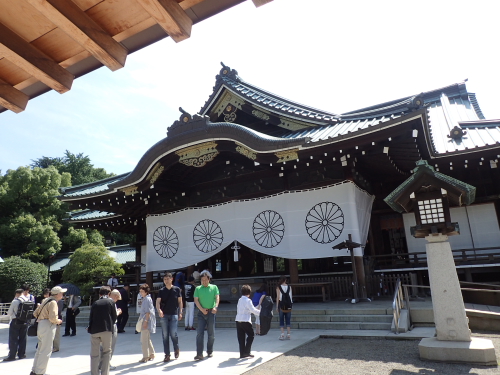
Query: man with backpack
[(20, 313)]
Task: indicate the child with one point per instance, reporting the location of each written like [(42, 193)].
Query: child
[(189, 296), (244, 321)]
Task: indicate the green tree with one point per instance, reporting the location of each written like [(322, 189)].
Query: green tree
[(88, 265), (80, 168), (76, 238), (16, 271), (30, 213)]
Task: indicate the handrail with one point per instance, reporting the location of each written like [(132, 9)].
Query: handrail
[(397, 305), (4, 308)]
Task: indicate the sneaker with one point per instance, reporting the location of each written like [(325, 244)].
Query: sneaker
[(193, 329), (282, 336), (187, 329)]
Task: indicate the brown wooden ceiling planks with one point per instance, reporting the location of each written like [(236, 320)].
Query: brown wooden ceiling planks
[(83, 30), (33, 61), (12, 98), (170, 16)]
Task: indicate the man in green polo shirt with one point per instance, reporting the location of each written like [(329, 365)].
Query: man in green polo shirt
[(206, 298)]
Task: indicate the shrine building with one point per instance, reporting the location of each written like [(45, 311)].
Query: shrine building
[(255, 185)]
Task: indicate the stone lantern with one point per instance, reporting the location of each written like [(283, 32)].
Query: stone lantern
[(429, 195)]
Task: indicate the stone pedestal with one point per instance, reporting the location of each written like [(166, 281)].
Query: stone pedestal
[(453, 342), (477, 351), (447, 302)]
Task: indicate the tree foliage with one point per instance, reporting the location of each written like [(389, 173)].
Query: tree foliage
[(30, 213), (76, 238), (16, 271), (80, 168), (89, 264)]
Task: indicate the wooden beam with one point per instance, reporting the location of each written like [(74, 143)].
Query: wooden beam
[(186, 4), (11, 98), (33, 61), (66, 15), (170, 16)]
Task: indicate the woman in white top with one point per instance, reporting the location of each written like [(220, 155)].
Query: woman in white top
[(283, 288), (244, 322)]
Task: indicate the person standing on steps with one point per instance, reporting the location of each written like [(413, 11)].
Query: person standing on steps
[(189, 297)]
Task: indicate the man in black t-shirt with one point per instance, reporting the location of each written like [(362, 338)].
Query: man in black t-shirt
[(169, 306), (123, 305)]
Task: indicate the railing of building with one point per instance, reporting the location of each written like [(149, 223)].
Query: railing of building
[(479, 256)]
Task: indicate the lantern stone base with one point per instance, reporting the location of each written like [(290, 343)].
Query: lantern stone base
[(478, 351)]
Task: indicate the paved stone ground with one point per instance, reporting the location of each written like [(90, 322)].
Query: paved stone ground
[(362, 356)]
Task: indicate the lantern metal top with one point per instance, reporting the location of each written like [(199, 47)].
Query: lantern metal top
[(458, 192)]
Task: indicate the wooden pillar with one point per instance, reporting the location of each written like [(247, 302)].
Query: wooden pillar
[(360, 274), (294, 270), (149, 279)]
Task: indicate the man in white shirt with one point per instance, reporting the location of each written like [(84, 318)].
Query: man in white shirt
[(113, 282), (244, 322), (17, 332)]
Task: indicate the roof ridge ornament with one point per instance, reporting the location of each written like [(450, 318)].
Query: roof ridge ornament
[(187, 123), (226, 71)]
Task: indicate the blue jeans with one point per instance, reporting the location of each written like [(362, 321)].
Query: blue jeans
[(209, 322), (169, 330), (17, 339), (284, 316)]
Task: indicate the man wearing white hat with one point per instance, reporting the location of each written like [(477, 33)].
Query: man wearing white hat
[(47, 318)]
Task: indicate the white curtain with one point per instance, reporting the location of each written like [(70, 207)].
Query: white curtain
[(296, 225)]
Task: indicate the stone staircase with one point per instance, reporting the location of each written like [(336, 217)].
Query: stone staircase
[(347, 318)]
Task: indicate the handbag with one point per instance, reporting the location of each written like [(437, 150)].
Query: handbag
[(138, 325), (76, 311), (33, 329)]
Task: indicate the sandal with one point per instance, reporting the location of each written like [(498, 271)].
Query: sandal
[(144, 360), (282, 336), (288, 337), (151, 357)]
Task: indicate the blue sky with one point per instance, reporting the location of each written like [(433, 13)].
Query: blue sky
[(333, 55)]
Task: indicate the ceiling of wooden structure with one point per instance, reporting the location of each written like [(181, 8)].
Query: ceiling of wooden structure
[(45, 44)]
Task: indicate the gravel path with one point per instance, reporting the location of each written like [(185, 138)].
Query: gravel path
[(367, 356)]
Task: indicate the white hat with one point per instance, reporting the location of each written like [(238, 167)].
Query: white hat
[(57, 289)]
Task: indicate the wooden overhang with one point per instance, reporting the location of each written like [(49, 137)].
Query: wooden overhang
[(45, 44)]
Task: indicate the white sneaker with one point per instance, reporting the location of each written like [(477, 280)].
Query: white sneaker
[(288, 337), (282, 336), (112, 367)]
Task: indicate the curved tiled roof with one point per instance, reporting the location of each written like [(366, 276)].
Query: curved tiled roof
[(89, 214), (229, 78), (93, 187)]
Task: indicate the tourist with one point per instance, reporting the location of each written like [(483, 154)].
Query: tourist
[(72, 310), (123, 305), (101, 325), (189, 296), (17, 330), (206, 298), (169, 306), (48, 320), (113, 282), (116, 297), (257, 298), (244, 322), (148, 324), (283, 306)]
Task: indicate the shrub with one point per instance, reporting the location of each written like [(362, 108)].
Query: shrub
[(16, 271)]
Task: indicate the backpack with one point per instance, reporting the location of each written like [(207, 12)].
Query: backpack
[(25, 311), (286, 301), (266, 307)]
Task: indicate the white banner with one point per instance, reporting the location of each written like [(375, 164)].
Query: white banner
[(295, 225)]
